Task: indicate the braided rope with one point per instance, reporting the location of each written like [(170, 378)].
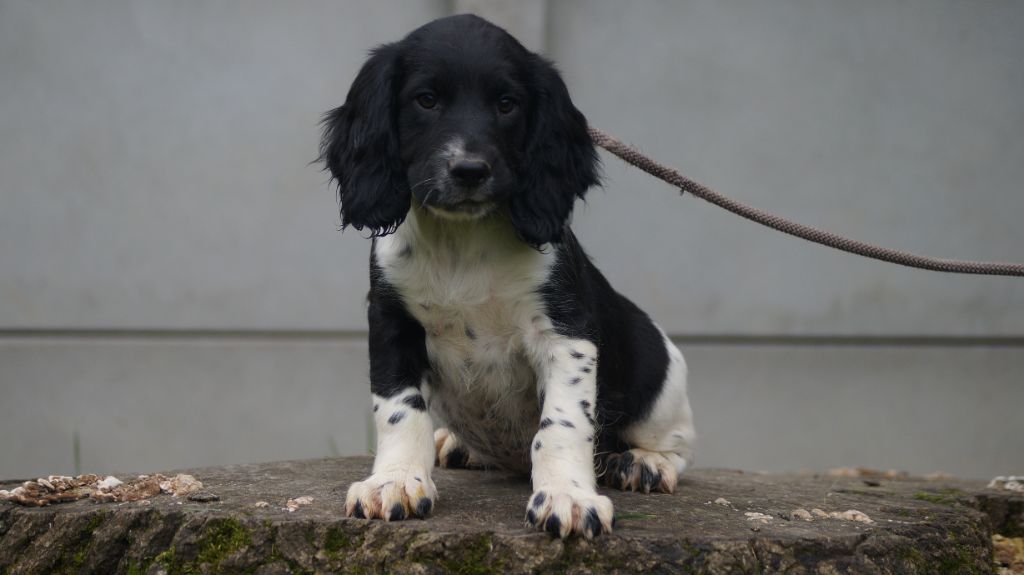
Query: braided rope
[(633, 156)]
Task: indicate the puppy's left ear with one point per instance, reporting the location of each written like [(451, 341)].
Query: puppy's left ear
[(560, 163), (360, 148)]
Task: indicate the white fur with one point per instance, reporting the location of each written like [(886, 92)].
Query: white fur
[(472, 285), (408, 441)]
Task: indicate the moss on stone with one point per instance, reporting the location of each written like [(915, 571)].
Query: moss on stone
[(336, 541), (948, 496), (222, 538), (76, 549)]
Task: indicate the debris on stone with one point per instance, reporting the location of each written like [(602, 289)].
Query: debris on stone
[(1009, 554), (108, 483), (61, 488), (294, 504), (802, 514), (180, 484), (722, 501), (261, 504), (866, 472), (851, 515), (759, 517), (52, 489), (142, 487), (1007, 482)]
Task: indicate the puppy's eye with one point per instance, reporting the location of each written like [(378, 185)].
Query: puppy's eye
[(506, 104), (426, 100)]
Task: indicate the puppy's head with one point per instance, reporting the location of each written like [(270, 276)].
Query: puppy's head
[(462, 118)]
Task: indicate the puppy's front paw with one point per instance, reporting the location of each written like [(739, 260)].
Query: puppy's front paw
[(565, 512), (392, 495)]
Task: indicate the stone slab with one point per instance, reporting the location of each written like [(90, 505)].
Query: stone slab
[(917, 526)]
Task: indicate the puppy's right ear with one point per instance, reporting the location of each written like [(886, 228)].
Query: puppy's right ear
[(360, 148)]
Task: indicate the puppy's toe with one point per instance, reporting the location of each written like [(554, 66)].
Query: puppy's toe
[(392, 495), (566, 513), (640, 470)]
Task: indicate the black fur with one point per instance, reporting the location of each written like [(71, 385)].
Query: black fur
[(634, 361), (398, 353), (379, 145)]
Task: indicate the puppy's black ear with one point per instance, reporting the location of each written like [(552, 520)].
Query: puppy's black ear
[(360, 148), (560, 163)]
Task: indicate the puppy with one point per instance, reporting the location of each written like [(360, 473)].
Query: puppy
[(461, 154)]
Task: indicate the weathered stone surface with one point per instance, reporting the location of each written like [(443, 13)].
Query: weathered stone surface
[(477, 527)]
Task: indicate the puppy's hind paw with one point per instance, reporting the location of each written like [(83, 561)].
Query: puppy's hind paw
[(640, 470), (392, 495), (564, 513), (451, 453)]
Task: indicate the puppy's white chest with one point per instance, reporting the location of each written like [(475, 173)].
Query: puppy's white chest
[(478, 306)]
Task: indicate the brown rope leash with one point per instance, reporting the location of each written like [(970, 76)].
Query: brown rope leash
[(633, 156)]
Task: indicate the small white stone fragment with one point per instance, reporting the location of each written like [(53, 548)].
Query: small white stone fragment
[(1007, 482), (760, 517), (261, 504), (802, 514), (108, 483), (722, 501), (4, 494), (294, 504), (851, 515), (181, 484), (818, 512), (45, 483)]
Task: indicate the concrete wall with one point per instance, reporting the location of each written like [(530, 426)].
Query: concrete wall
[(174, 291)]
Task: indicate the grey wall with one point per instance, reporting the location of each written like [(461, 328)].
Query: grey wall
[(174, 290)]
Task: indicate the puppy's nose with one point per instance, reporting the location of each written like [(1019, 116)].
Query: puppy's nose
[(469, 172)]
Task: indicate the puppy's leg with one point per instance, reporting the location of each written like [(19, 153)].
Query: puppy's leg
[(400, 485), (565, 500), (662, 443)]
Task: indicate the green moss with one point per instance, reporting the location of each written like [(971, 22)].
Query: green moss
[(942, 497), (471, 558), (594, 561), (276, 556), (631, 516), (75, 551), (336, 541), (222, 538), (963, 559), (166, 559)]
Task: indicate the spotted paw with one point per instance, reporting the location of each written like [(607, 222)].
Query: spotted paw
[(451, 453), (640, 470), (392, 495), (574, 511)]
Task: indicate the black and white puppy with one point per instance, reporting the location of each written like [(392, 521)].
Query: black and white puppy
[(462, 154)]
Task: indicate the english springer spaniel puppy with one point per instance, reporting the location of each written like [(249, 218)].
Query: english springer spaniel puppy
[(460, 152)]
